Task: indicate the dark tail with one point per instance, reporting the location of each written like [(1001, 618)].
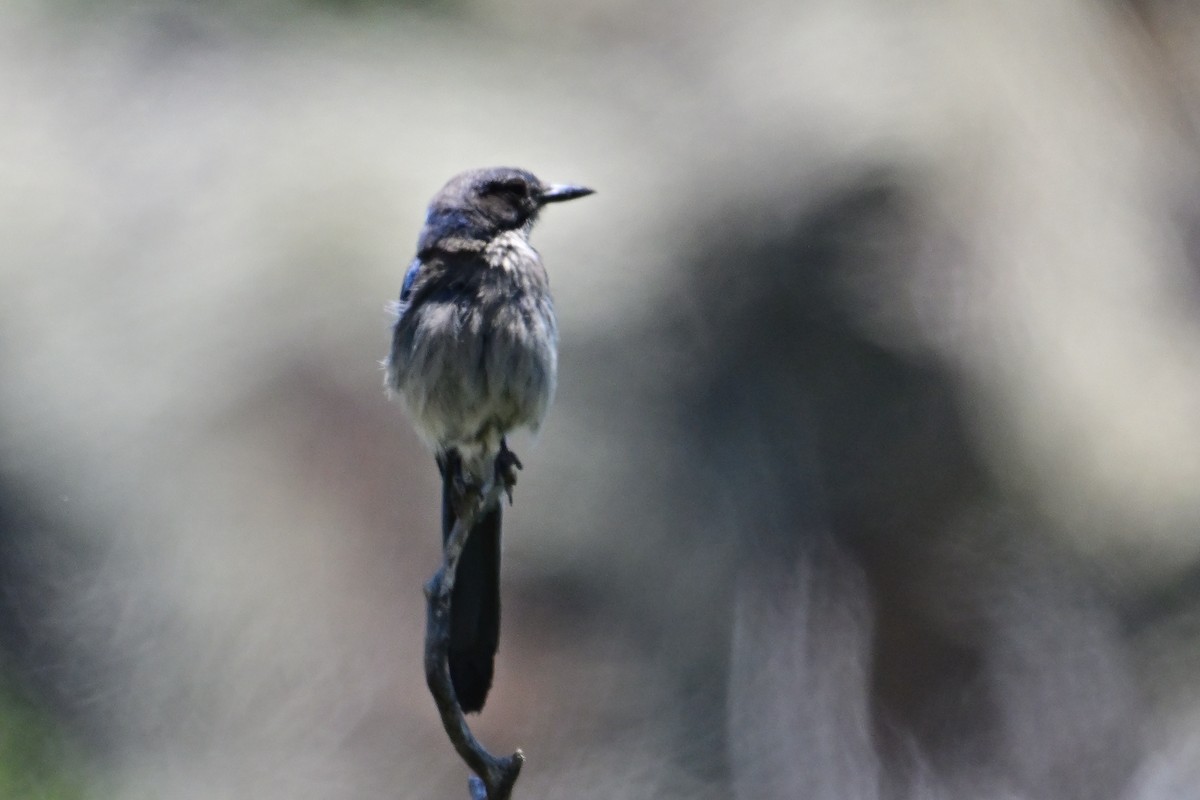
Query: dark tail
[(475, 604)]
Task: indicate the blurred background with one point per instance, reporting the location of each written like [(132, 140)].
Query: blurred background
[(875, 466)]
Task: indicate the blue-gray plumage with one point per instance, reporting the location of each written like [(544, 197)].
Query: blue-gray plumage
[(474, 356)]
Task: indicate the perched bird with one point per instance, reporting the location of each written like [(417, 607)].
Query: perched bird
[(474, 356)]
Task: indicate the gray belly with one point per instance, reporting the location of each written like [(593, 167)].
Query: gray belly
[(471, 372)]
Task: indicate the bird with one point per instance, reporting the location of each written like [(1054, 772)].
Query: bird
[(474, 356)]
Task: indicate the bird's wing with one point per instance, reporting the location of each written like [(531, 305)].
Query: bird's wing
[(407, 288)]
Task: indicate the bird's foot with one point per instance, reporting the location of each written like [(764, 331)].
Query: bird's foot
[(467, 495), (465, 491), (507, 465)]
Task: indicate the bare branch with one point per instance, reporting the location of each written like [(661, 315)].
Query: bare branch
[(495, 776)]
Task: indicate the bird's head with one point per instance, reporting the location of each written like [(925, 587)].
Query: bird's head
[(480, 204)]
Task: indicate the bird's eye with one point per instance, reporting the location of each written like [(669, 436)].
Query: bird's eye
[(510, 187)]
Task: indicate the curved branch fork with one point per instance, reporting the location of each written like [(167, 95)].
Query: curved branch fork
[(494, 777)]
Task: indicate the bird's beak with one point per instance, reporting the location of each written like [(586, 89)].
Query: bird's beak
[(558, 192)]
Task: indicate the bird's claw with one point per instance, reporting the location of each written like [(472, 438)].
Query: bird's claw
[(507, 465)]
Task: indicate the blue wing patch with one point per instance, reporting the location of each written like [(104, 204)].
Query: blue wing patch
[(406, 288)]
